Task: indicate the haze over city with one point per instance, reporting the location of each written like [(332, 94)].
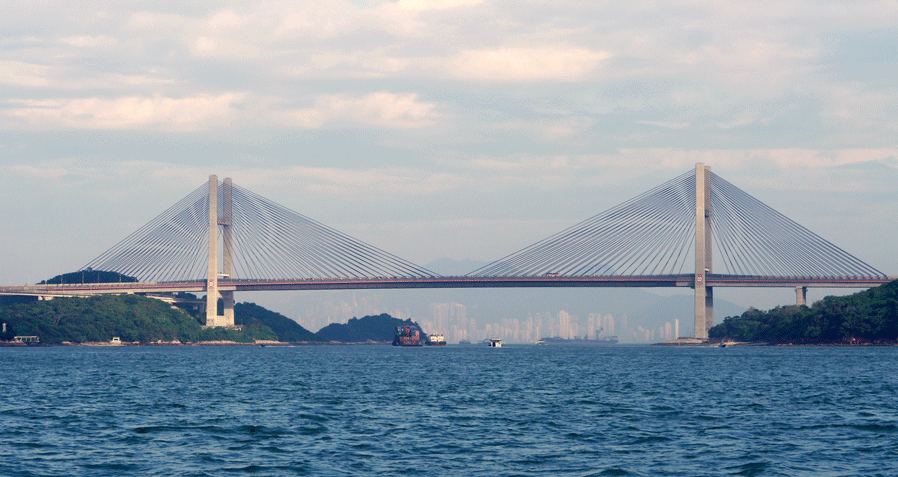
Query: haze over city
[(454, 129)]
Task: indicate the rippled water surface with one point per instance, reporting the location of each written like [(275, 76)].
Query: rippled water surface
[(526, 410)]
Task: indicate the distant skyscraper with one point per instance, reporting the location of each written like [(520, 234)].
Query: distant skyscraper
[(564, 324), (676, 329), (608, 325)]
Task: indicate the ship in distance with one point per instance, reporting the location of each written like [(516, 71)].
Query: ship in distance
[(408, 335), (600, 341), (436, 339)]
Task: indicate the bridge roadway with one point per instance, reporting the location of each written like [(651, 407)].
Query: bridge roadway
[(199, 286)]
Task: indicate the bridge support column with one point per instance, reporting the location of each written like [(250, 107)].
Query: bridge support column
[(227, 250), (212, 293), (212, 271), (801, 296), (704, 295)]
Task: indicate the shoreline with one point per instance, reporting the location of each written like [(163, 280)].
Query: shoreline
[(261, 343), (693, 342)]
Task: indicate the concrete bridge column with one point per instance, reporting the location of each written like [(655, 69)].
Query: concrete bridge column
[(212, 293), (704, 295), (212, 271), (801, 295), (227, 251)]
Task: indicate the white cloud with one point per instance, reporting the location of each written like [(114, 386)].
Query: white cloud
[(382, 109), (355, 182), (84, 41), (133, 112), (41, 172), (227, 110), (20, 73), (527, 64), (418, 5), (664, 124)]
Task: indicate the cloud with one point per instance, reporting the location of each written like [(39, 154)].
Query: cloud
[(42, 172), (84, 41), (226, 110), (418, 5), (382, 109), (663, 124), (25, 74), (133, 112), (567, 64), (385, 181)]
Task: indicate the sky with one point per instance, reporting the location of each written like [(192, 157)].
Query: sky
[(463, 129)]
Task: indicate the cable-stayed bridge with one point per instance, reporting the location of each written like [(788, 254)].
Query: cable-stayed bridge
[(696, 230)]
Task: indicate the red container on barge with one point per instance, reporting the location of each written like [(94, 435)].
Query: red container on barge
[(408, 335)]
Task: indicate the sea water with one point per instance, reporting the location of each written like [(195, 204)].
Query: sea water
[(456, 410)]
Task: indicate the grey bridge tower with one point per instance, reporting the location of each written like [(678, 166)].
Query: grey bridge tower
[(213, 276), (704, 295)]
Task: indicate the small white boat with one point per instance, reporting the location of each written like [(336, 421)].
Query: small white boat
[(495, 343)]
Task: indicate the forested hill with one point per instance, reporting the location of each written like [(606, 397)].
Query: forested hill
[(89, 276), (380, 328), (134, 318), (867, 317), (285, 328)]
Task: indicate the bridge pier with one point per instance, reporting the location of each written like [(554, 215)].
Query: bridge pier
[(212, 278), (801, 296), (704, 295)]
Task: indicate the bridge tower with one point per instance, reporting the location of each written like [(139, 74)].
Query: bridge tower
[(212, 280), (704, 295)]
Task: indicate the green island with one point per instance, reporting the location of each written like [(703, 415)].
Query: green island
[(145, 320), (136, 319), (869, 317)]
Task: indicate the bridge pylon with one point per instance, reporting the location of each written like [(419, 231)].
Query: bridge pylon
[(704, 295), (212, 279)]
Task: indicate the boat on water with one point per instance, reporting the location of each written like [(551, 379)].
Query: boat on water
[(436, 339), (494, 342), (601, 341), (408, 335)]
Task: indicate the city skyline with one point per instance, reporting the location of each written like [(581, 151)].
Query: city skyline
[(451, 320)]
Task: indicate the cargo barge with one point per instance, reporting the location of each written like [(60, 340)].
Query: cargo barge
[(408, 335)]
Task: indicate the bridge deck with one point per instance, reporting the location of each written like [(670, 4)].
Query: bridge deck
[(199, 286)]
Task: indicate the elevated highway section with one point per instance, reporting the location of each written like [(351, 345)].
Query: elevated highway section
[(636, 281)]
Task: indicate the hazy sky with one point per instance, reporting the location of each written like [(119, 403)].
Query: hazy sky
[(444, 128)]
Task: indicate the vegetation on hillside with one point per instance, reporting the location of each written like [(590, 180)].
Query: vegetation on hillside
[(870, 316), (380, 328), (135, 318), (88, 276), (129, 317), (286, 329)]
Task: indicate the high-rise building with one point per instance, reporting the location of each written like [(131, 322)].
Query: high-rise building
[(608, 325), (564, 325)]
